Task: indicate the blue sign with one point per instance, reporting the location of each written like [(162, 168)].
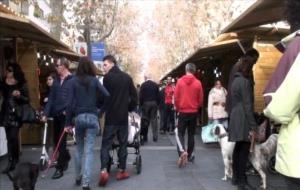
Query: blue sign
[(97, 51)]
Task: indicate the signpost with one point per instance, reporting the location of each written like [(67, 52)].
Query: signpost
[(97, 51)]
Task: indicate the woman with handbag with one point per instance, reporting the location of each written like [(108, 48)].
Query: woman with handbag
[(216, 105), (15, 94)]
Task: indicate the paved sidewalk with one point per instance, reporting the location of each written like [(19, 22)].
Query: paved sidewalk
[(159, 171)]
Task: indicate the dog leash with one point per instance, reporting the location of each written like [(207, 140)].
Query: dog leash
[(54, 154)]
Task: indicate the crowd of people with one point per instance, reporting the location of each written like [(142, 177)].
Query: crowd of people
[(175, 103)]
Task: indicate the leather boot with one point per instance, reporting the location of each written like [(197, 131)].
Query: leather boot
[(10, 166)]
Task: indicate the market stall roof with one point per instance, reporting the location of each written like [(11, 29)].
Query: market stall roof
[(228, 41), (261, 12), (16, 25), (207, 53), (68, 54)]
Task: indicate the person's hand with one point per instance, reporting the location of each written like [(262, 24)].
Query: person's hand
[(252, 134), (44, 119), (45, 100), (16, 93), (69, 129)]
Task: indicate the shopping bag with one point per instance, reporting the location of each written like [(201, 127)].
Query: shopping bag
[(133, 126), (207, 134), (3, 142)]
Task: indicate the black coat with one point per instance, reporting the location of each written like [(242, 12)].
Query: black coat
[(242, 109), (123, 97), (149, 92), (10, 104)]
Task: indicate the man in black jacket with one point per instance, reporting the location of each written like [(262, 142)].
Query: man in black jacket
[(123, 98), (149, 100)]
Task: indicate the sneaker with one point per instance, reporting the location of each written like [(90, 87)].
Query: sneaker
[(122, 175), (86, 188), (103, 178), (191, 158), (182, 160), (78, 181)]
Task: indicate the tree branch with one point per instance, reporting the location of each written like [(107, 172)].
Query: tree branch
[(112, 24)]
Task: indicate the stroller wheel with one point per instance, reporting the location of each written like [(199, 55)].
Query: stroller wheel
[(138, 164), (271, 165), (43, 164)]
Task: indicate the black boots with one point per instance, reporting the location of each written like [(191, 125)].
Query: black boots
[(58, 174), (62, 164), (245, 186), (10, 166)]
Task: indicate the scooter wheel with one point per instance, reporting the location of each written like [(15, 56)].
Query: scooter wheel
[(43, 164)]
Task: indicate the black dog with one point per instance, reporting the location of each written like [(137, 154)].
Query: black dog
[(24, 176)]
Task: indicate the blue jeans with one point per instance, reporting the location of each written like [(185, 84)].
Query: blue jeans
[(86, 125)]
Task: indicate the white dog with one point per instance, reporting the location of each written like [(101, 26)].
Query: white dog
[(259, 157)]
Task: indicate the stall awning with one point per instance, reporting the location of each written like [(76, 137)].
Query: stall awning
[(20, 27), (68, 54), (208, 53), (261, 12)]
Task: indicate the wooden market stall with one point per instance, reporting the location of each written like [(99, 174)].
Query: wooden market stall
[(26, 38), (217, 59)]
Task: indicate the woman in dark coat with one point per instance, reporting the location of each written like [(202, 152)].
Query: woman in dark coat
[(15, 93), (242, 122)]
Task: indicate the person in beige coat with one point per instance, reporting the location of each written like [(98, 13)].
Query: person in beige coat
[(216, 104)]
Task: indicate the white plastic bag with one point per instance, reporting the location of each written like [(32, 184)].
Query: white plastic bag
[(3, 142), (133, 126)]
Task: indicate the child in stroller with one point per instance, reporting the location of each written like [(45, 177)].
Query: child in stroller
[(134, 129)]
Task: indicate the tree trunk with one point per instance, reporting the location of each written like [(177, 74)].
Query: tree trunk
[(57, 18)]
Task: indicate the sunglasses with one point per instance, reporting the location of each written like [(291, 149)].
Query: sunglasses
[(9, 69), (57, 65)]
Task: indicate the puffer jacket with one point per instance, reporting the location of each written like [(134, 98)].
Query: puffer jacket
[(283, 97)]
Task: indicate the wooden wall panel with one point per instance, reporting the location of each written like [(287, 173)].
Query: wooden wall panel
[(27, 59), (263, 70)]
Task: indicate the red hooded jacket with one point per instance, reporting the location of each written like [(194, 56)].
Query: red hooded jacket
[(188, 94)]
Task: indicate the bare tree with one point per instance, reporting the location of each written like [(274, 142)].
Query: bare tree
[(93, 19), (56, 18)]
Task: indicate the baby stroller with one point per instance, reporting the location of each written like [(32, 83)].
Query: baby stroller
[(134, 129)]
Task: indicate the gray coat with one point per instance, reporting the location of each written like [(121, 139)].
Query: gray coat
[(242, 109)]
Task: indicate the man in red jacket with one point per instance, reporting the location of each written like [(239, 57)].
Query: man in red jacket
[(169, 121), (188, 100)]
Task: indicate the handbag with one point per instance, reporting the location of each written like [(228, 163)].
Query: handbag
[(3, 142), (207, 133), (26, 113)]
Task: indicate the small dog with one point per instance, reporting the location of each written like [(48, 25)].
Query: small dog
[(259, 157), (24, 177)]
